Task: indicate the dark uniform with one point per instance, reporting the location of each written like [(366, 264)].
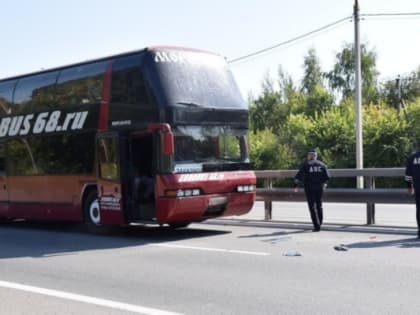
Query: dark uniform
[(313, 174), (412, 177)]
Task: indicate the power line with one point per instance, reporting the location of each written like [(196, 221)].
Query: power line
[(294, 39), (392, 14)]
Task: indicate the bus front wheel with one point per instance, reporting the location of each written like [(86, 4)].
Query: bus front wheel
[(92, 213)]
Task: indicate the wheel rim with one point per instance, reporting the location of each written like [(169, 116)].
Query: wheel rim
[(94, 213)]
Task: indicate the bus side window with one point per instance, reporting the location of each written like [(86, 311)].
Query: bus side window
[(6, 94), (35, 92), (128, 85), (81, 85), (20, 158)]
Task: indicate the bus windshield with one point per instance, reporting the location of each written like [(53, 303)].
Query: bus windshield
[(197, 79), (201, 148)]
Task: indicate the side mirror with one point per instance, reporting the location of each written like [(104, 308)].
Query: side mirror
[(168, 146), (166, 137)]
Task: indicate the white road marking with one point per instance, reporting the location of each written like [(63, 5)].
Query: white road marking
[(223, 250), (86, 299)]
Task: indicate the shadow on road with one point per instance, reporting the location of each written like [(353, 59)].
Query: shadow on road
[(401, 243), (274, 234), (275, 237), (40, 239)]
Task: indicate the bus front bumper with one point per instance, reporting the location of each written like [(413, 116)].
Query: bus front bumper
[(199, 208)]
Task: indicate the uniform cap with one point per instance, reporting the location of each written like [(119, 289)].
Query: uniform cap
[(312, 151)]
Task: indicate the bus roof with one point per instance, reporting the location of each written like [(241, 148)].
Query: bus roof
[(110, 57)]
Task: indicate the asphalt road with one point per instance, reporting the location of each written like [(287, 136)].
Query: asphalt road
[(400, 215), (213, 268)]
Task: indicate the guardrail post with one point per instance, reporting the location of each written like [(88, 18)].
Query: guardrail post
[(268, 204), (370, 206)]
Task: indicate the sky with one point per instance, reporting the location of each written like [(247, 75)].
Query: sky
[(43, 34)]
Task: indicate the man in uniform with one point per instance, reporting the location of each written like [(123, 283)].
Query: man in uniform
[(412, 177), (314, 175)]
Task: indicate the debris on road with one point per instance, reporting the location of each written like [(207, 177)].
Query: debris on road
[(341, 247), (278, 239), (291, 253)]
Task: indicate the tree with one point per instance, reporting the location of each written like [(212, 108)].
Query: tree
[(413, 124), (287, 120), (409, 88), (387, 140), (312, 77), (333, 134), (318, 100), (265, 111), (266, 152), (342, 78), (293, 99), (295, 134), (273, 106)]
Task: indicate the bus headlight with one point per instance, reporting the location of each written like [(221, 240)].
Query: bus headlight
[(245, 188), (189, 192)]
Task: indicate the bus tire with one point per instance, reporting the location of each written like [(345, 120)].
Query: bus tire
[(92, 214)]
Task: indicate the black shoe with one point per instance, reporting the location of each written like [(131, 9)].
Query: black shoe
[(316, 229)]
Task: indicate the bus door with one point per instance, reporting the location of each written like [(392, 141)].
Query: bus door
[(110, 179), (142, 160), (4, 193)]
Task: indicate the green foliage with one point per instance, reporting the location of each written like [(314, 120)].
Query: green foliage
[(409, 89), (312, 77), (296, 102), (342, 77), (411, 86), (333, 133), (386, 137), (273, 107), (267, 152), (413, 123), (295, 135), (286, 121), (318, 101), (267, 109)]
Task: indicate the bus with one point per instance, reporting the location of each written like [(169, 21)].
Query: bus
[(158, 135)]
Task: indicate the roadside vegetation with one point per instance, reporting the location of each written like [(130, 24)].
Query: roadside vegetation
[(287, 118)]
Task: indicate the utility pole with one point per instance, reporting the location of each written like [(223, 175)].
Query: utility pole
[(398, 86), (358, 94)]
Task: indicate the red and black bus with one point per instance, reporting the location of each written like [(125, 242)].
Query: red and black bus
[(157, 135)]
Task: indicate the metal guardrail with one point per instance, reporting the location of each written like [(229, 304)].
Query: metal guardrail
[(369, 195)]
